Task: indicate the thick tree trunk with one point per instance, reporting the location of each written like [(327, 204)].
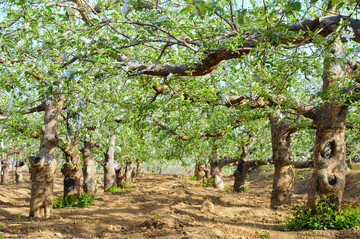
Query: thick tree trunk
[(240, 175), (284, 177), (71, 171), (19, 178), (216, 174), (5, 169), (242, 169), (109, 168), (43, 166), (199, 171), (139, 169), (120, 177), (89, 169), (129, 173), (328, 178)]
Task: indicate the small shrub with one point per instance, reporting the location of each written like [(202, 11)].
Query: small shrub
[(265, 235), (113, 189), (83, 200), (324, 216), (246, 188), (19, 215)]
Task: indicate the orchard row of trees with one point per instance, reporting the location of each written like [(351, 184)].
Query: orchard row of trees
[(190, 81)]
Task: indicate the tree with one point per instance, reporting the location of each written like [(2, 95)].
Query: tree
[(102, 46)]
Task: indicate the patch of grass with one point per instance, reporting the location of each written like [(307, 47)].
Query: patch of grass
[(83, 200), (125, 185), (265, 235), (19, 215), (246, 188), (193, 178), (158, 217), (314, 234), (325, 216), (113, 189), (207, 183), (228, 189)]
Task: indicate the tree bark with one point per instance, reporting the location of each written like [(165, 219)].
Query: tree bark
[(139, 169), (43, 166), (199, 171), (5, 169), (71, 171), (129, 173), (19, 178), (242, 169), (120, 177), (216, 174), (109, 169), (284, 177), (89, 169), (328, 178)]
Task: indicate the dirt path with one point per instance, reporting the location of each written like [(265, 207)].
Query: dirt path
[(167, 206)]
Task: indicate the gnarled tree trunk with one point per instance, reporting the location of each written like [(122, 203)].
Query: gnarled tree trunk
[(199, 171), (215, 170), (120, 177), (109, 168), (328, 178), (284, 176), (43, 166), (129, 173), (139, 169), (216, 174), (5, 169), (89, 169), (71, 171), (241, 171)]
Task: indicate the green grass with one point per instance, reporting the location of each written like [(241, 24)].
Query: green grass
[(113, 189), (193, 178), (325, 216), (83, 200)]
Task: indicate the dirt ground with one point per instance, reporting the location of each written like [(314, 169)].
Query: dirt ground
[(168, 206)]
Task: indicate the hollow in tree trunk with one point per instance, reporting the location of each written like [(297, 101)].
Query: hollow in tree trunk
[(5, 169), (284, 176), (109, 168), (89, 169), (43, 166), (71, 171)]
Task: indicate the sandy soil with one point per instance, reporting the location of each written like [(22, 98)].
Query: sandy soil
[(168, 206)]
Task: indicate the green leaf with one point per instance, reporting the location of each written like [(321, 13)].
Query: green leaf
[(296, 6)]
